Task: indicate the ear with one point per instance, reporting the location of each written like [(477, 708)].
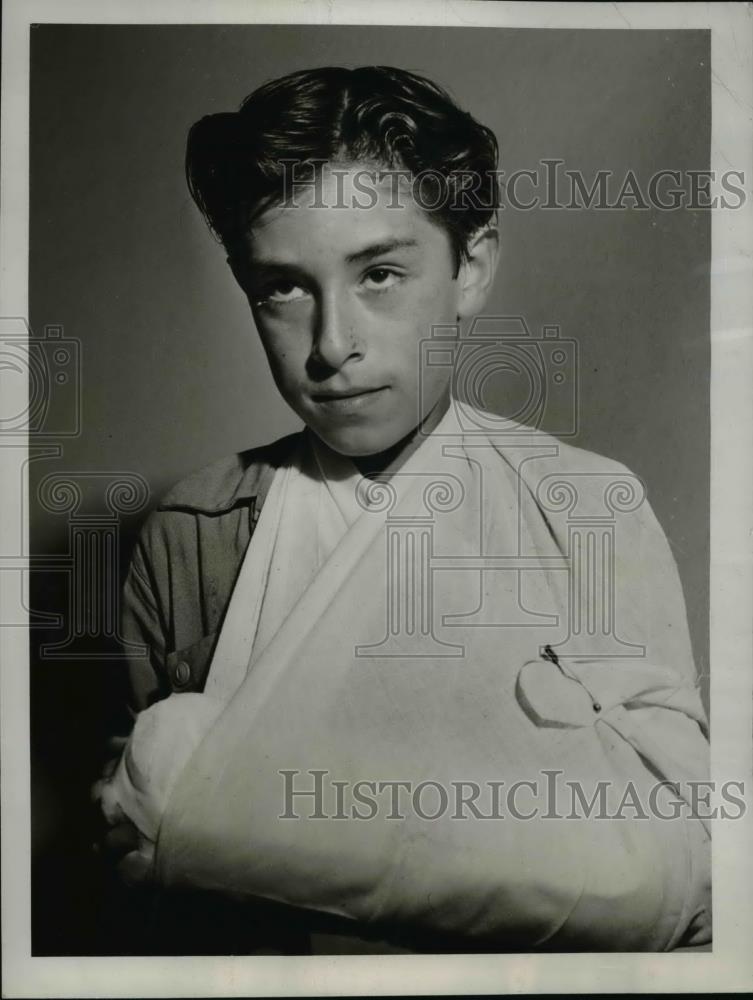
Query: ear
[(476, 275)]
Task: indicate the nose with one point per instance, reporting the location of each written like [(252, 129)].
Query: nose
[(335, 340)]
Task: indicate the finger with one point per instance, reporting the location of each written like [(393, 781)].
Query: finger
[(110, 766), (120, 840), (104, 795), (116, 743), (97, 790), (136, 868)]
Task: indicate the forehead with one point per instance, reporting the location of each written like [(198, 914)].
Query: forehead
[(340, 210)]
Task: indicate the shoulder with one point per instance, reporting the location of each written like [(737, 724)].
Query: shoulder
[(230, 480), (575, 487), (217, 494), (537, 452), (571, 483)]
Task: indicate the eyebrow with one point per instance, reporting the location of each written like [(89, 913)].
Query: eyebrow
[(377, 249)]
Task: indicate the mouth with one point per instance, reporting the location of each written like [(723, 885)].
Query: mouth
[(348, 401)]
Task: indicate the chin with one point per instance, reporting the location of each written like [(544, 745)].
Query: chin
[(358, 442)]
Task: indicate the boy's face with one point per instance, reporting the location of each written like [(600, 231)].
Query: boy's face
[(342, 296)]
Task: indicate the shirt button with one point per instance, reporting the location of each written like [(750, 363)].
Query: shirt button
[(182, 673)]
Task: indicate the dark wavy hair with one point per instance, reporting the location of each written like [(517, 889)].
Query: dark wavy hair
[(236, 162)]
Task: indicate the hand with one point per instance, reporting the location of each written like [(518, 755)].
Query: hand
[(133, 793), (121, 844), (131, 855), (109, 810)]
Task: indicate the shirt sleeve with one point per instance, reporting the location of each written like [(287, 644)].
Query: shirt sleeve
[(143, 630)]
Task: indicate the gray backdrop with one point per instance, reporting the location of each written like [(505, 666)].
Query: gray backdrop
[(172, 374)]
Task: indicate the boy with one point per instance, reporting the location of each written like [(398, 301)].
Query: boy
[(357, 210)]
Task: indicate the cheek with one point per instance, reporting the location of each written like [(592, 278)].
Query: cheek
[(285, 350), (429, 306), (434, 302)]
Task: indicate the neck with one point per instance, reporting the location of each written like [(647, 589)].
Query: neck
[(386, 463)]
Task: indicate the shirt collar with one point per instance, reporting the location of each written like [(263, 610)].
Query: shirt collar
[(232, 481)]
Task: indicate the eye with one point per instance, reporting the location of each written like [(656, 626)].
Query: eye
[(280, 293), (379, 279)]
